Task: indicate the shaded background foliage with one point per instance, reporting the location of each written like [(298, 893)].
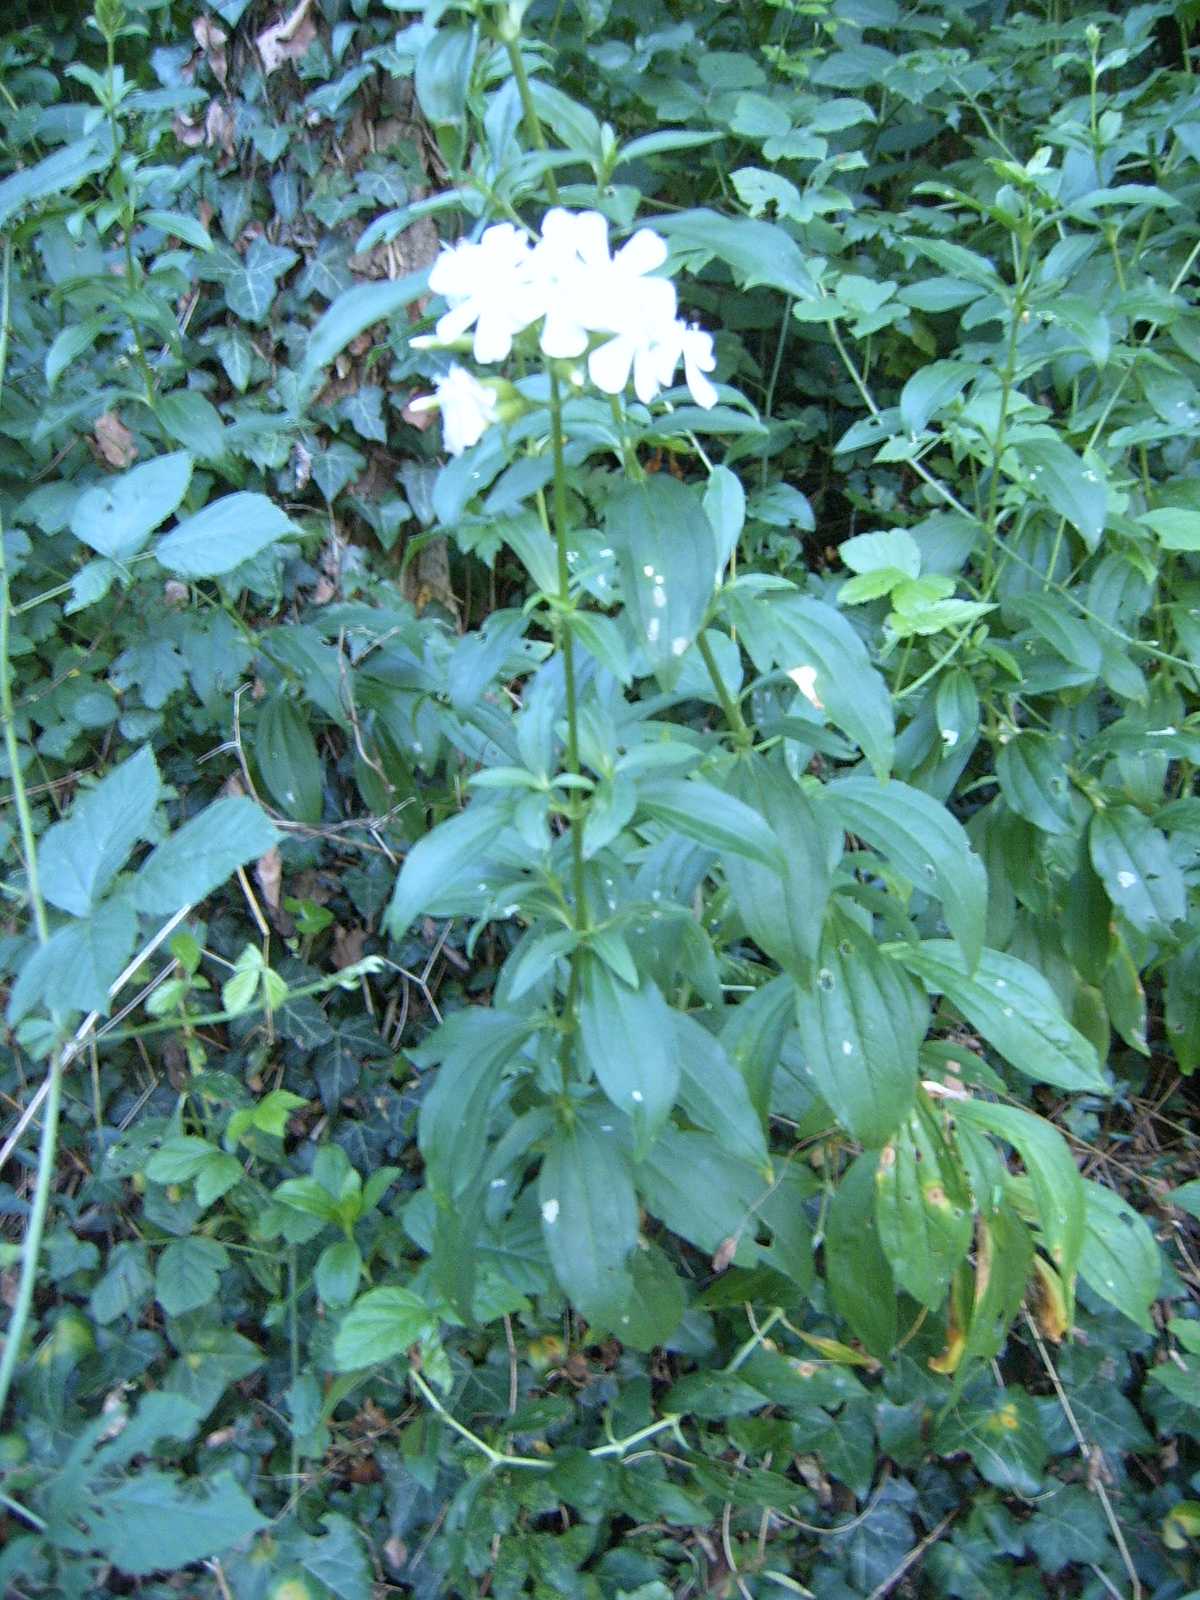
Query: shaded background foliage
[(987, 203)]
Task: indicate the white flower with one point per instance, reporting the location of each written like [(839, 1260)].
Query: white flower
[(588, 291), (468, 409), (489, 286), (653, 351)]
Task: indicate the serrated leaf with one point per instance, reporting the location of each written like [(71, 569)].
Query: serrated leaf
[(188, 1274), (226, 533), (925, 843), (79, 857), (198, 857), (154, 1521), (1013, 1007), (381, 1325), (116, 517), (75, 968)]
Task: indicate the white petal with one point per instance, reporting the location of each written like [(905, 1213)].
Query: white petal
[(609, 365), (562, 335), (702, 391), (644, 252), (647, 373)]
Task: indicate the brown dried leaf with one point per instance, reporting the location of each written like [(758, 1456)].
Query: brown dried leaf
[(218, 126), (114, 440), (268, 874), (348, 946), (212, 39), (287, 40), (726, 1251)]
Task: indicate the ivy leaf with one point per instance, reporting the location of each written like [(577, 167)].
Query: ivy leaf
[(1004, 1439), (250, 281)]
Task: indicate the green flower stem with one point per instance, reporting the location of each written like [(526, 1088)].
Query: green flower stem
[(742, 735), (533, 123), (1007, 380), (568, 643), (212, 1019)]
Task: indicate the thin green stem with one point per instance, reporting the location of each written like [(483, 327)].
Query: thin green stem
[(561, 525), (533, 123), (1000, 438), (868, 400), (733, 712), (48, 1149)]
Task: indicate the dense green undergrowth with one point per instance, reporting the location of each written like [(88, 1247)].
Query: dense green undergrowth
[(610, 1013)]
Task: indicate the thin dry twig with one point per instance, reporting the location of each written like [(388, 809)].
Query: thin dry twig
[(1087, 1451), (913, 1556)]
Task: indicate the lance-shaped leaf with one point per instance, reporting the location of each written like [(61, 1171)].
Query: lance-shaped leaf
[(1058, 1191), (710, 816), (629, 1042), (922, 1210), (199, 856), (861, 1024), (437, 860), (668, 556), (713, 1093), (590, 1218), (1120, 1261), (924, 842), (823, 655), (857, 1271), (475, 1047), (1133, 861), (1013, 1007), (783, 905)]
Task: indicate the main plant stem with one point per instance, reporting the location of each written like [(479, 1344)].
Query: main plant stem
[(567, 645), (533, 123)]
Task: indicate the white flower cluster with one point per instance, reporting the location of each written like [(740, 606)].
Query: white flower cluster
[(610, 307)]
